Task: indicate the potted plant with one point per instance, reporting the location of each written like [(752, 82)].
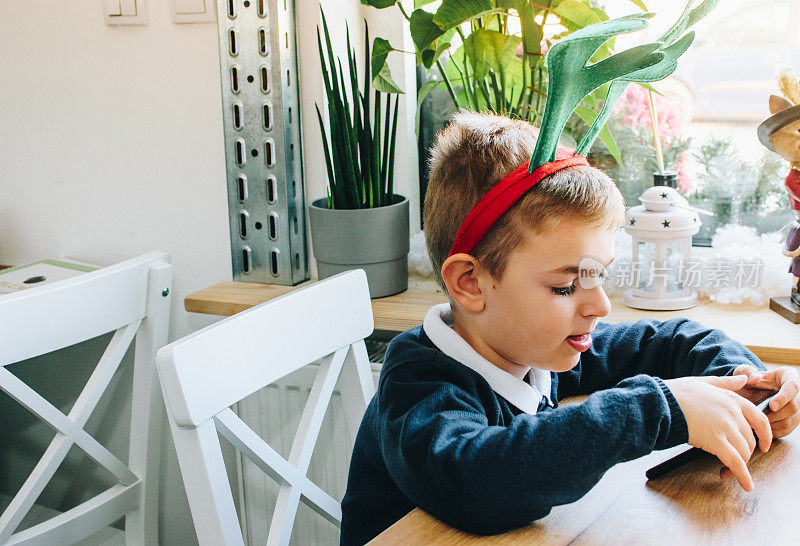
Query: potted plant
[(489, 55), (362, 223)]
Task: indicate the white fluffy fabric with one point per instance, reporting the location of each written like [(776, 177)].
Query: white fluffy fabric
[(732, 244), (735, 242), (418, 260)]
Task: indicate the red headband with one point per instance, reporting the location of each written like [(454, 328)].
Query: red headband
[(503, 196)]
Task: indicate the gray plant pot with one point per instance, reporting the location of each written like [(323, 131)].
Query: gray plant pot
[(375, 240)]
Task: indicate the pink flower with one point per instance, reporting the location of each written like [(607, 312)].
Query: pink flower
[(634, 107)]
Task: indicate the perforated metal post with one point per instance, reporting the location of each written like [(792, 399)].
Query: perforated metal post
[(258, 65)]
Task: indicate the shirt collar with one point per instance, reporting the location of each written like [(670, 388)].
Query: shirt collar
[(522, 394)]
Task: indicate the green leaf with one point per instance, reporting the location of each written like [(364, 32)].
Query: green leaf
[(518, 5), (596, 97), (385, 157), (447, 36), (588, 116), (420, 3), (601, 14), (454, 12), (382, 81), (423, 30), (452, 73), (489, 49), (531, 31), (577, 13), (607, 139), (639, 4), (423, 92), (380, 50), (328, 164), (392, 142), (380, 4), (430, 56), (381, 73), (513, 78), (650, 88)]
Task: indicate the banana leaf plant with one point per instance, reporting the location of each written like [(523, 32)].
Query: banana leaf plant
[(359, 150), (489, 54), (500, 64)]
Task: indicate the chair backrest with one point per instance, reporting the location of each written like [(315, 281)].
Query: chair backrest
[(131, 299), (208, 371)]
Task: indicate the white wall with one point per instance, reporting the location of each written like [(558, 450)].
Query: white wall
[(111, 145)]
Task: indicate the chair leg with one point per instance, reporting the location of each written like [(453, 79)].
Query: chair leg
[(147, 409), (206, 482), (356, 386)]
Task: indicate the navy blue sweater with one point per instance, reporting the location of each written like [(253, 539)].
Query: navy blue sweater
[(437, 436)]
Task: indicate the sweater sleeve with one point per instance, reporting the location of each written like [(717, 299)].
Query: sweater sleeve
[(667, 349), (446, 458)]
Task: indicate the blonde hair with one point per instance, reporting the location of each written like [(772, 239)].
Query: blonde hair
[(472, 154)]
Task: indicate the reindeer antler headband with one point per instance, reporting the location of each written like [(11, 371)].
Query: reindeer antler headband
[(570, 81)]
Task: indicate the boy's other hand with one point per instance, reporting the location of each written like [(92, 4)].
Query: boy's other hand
[(784, 409), (721, 422)]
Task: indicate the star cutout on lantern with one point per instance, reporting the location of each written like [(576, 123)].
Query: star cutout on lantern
[(633, 221), (665, 223), (664, 195)]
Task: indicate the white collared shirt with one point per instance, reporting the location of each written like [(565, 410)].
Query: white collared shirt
[(438, 326)]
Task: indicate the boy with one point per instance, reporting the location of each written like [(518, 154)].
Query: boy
[(465, 423)]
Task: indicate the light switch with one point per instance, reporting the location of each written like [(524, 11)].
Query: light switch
[(125, 12), (193, 11), (184, 7), (112, 8), (128, 8)]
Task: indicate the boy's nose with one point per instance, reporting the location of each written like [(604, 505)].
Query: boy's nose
[(596, 303)]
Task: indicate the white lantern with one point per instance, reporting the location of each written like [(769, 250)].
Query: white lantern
[(662, 228)]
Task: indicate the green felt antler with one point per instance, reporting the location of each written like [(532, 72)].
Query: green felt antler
[(570, 80), (671, 48), (688, 18), (654, 73)]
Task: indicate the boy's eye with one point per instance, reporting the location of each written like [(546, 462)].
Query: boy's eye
[(563, 290)]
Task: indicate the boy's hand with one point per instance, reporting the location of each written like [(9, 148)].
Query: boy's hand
[(784, 409), (721, 422)]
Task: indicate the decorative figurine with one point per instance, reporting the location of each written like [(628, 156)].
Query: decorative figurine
[(781, 134)]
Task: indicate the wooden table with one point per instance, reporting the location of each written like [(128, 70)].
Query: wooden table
[(690, 505), (771, 337)]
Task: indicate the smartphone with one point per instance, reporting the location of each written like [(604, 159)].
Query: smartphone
[(760, 397)]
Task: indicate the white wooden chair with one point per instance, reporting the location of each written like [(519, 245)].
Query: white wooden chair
[(208, 371), (131, 298)]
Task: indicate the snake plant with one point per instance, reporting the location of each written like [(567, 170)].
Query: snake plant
[(359, 150)]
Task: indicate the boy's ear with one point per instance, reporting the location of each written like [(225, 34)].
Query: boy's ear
[(460, 273)]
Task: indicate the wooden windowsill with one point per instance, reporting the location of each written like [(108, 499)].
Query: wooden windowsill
[(771, 337)]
